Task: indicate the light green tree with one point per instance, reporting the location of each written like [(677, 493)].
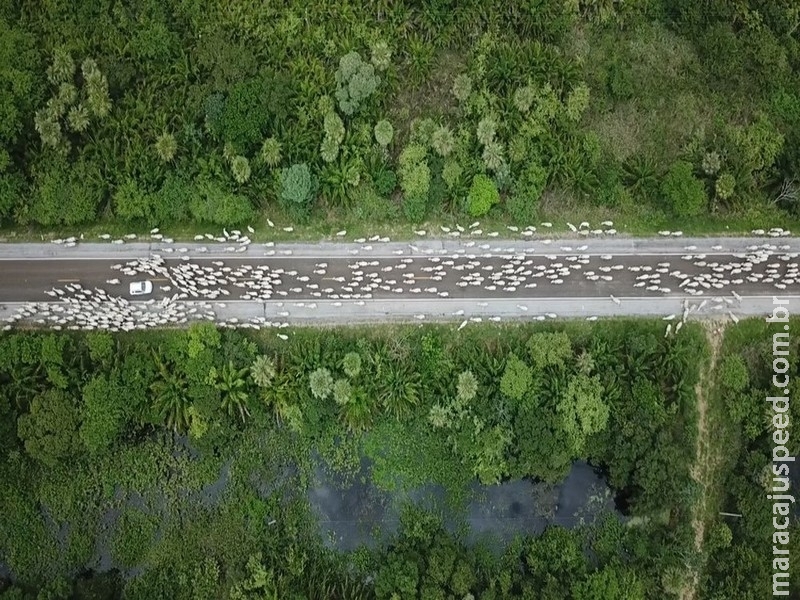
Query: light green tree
[(166, 146), (466, 387), (549, 349), (263, 371), (516, 379), (351, 364), (321, 383), (356, 80)]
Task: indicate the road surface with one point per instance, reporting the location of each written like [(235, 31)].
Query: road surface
[(426, 280)]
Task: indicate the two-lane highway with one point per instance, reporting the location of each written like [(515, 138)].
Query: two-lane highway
[(396, 276)]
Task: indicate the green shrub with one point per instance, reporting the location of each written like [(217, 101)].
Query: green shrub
[(246, 113), (384, 132), (166, 146), (733, 373), (240, 169), (442, 141), (527, 190), (355, 82), (297, 185), (212, 204), (370, 206), (415, 175), (67, 194), (482, 196), (415, 208), (11, 192), (516, 379), (381, 55), (271, 152), (724, 186), (351, 364), (321, 383), (130, 202), (684, 193), (170, 204)]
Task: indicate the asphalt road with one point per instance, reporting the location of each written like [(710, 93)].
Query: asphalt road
[(418, 277), (427, 279)]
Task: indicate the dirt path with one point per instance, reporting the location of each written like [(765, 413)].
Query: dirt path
[(705, 458)]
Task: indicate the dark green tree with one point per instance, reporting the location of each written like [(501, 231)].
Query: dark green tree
[(50, 429)]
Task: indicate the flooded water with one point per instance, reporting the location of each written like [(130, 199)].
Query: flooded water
[(359, 513)]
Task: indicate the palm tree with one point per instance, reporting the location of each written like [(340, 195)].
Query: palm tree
[(585, 363), (170, 400), (399, 390), (263, 371), (467, 386), (351, 364), (357, 414), (232, 386), (321, 383)]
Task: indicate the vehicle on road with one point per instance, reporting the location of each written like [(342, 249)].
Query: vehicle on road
[(141, 288)]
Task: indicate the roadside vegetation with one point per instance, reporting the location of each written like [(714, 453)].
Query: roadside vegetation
[(739, 549), (179, 463), (657, 114)]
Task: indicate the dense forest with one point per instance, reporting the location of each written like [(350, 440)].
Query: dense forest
[(144, 113), (110, 443)]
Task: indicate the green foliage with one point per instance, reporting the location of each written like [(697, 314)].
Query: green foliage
[(131, 202), (67, 195), (430, 407), (487, 129), (351, 364), (171, 401), (50, 429), (355, 82), (517, 378), (271, 152), (549, 349), (612, 582), (415, 181), (133, 537), (166, 146), (684, 193), (583, 411), (462, 87), (733, 373), (166, 91), (213, 204), (724, 186), (102, 414), (526, 192), (321, 383), (232, 385), (482, 196), (577, 102), (398, 390), (466, 387), (240, 169), (93, 101), (490, 464), (381, 55), (384, 132), (249, 110), (342, 392), (263, 371), (297, 184)]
